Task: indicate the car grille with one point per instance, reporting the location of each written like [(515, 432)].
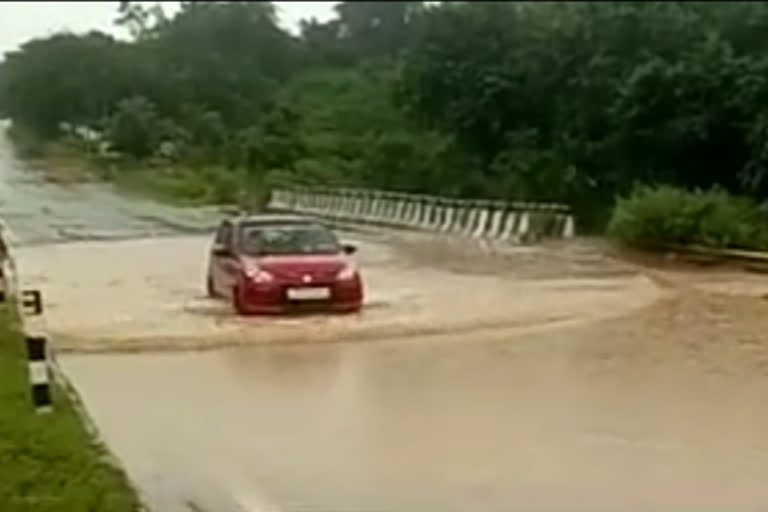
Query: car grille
[(297, 276)]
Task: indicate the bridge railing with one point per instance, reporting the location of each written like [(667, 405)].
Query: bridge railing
[(478, 218)]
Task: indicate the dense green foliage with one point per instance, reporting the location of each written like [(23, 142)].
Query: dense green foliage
[(573, 102), (664, 215)]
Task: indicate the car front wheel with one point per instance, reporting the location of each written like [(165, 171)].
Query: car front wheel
[(238, 303)]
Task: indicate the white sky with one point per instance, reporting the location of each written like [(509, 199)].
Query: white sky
[(20, 21)]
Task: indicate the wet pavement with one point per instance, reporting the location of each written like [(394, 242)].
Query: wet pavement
[(539, 379), (613, 416), (40, 212)]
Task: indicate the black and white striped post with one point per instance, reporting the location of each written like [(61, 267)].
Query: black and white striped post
[(32, 301), (39, 374), (37, 355), (3, 283)]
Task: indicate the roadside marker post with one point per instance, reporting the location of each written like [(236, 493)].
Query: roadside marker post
[(3, 283), (29, 303), (37, 354), (39, 374), (32, 300)]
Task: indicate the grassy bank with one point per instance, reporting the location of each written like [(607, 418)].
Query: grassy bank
[(48, 463), (180, 185)]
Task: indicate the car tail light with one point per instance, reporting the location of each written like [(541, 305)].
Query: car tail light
[(347, 273)]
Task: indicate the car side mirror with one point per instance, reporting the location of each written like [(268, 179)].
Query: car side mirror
[(220, 250), (349, 248)]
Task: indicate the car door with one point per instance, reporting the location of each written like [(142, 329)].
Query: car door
[(221, 258)]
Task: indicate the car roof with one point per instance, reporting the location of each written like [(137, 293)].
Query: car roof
[(271, 219)]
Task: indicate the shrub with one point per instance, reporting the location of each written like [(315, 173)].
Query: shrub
[(653, 217)]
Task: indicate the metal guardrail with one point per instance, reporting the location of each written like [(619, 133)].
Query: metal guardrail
[(515, 221)]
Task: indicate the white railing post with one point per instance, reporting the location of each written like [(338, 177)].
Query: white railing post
[(428, 211), (569, 231), (509, 225), (498, 216), (481, 223), (469, 226), (524, 226), (450, 213)]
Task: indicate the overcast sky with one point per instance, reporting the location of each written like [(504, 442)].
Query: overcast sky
[(20, 21)]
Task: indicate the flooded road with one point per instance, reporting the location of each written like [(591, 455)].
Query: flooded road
[(537, 379), (39, 212), (148, 294), (596, 418)]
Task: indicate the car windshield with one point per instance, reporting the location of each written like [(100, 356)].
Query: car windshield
[(272, 239)]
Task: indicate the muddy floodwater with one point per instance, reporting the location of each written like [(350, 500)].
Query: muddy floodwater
[(476, 378), (148, 294), (476, 390)]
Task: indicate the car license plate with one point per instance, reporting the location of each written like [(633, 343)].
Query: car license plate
[(309, 293)]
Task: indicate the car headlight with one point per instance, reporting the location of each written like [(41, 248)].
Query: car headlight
[(258, 275), (347, 273)]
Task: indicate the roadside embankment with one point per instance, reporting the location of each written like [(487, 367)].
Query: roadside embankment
[(48, 462)]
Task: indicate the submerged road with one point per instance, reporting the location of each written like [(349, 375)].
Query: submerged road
[(547, 379)]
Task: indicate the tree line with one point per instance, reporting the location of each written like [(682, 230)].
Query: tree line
[(573, 102)]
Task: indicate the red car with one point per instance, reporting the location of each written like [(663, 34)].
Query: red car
[(276, 263)]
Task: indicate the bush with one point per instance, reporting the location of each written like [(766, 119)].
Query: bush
[(653, 217)]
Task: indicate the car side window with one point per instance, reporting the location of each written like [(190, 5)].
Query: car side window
[(224, 235)]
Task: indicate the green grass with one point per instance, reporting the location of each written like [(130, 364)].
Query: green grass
[(185, 186), (179, 185), (48, 463)]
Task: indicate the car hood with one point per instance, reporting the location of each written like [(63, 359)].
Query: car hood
[(317, 266)]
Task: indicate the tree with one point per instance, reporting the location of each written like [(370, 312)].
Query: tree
[(582, 100), (135, 128), (141, 22), (64, 78), (573, 102)]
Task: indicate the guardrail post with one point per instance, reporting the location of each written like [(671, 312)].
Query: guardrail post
[(409, 203), (496, 219), (569, 231), (524, 225), (375, 206), (509, 224), (343, 203), (331, 202), (428, 212), (450, 213), (400, 211), (418, 211), (386, 206), (471, 219), (482, 220), (357, 203), (365, 205)]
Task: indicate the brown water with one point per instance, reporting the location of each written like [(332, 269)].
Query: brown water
[(477, 390), (147, 294), (627, 415)]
